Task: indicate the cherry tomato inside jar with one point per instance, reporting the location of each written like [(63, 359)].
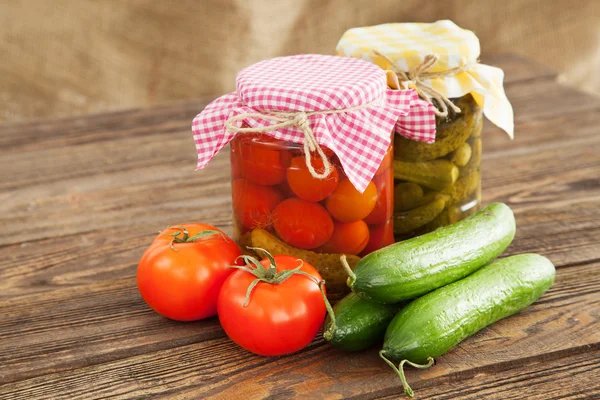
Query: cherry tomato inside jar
[(347, 238), (260, 159), (347, 204), (307, 187), (302, 223), (253, 204)]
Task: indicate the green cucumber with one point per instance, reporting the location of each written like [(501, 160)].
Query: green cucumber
[(433, 324), (416, 266), (359, 323)]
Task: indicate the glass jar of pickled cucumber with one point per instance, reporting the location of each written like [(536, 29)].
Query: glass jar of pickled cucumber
[(440, 183), (280, 207), (437, 178)]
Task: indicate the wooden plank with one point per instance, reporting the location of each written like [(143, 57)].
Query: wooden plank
[(108, 322), (519, 69), (164, 196), (91, 324), (553, 189), (574, 128), (96, 159), (571, 377), (61, 132), (547, 98)]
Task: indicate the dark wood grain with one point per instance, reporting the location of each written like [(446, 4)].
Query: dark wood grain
[(519, 69), (81, 198), (570, 377), (112, 312)]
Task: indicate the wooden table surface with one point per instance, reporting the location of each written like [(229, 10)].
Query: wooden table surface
[(81, 198)]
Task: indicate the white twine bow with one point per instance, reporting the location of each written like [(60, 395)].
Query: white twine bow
[(426, 92), (299, 119)]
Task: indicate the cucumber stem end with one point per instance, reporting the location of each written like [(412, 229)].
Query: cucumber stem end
[(328, 334), (400, 370), (351, 275)]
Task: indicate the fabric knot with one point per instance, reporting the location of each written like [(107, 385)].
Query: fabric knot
[(301, 121), (413, 78)]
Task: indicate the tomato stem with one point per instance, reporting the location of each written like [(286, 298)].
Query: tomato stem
[(186, 236), (203, 234), (249, 291), (351, 274), (185, 232), (400, 370)]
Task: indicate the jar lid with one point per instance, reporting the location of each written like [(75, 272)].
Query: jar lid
[(341, 103), (440, 60)]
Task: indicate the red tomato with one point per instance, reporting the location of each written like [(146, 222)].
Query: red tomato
[(381, 235), (184, 284), (347, 238), (384, 207), (302, 224), (253, 204), (278, 318), (346, 204), (304, 185), (260, 158)]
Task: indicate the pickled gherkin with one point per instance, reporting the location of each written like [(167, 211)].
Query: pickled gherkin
[(447, 172), (449, 136), (462, 155), (464, 187), (407, 195), (408, 221), (436, 174)]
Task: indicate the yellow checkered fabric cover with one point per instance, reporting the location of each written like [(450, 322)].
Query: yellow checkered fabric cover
[(407, 44)]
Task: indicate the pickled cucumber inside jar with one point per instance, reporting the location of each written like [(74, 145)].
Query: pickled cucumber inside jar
[(440, 183)]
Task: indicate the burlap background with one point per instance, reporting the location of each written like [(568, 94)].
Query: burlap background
[(66, 57)]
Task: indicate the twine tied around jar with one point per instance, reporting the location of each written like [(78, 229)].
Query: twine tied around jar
[(415, 76), (298, 119)]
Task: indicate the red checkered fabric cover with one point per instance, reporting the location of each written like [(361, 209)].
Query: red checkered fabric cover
[(347, 103)]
